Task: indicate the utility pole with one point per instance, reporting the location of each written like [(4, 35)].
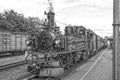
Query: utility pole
[(116, 40)]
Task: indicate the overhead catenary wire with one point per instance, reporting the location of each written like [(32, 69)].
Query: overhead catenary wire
[(61, 22)]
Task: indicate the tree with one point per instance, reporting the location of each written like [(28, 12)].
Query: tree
[(13, 21)]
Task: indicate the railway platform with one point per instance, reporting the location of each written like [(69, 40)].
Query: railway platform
[(97, 68)]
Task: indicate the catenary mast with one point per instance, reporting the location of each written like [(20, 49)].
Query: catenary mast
[(116, 39)]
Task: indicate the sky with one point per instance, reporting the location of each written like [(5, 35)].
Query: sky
[(93, 14)]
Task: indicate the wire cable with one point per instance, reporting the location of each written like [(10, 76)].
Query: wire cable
[(61, 22)]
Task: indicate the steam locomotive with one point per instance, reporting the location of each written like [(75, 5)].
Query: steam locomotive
[(52, 53)]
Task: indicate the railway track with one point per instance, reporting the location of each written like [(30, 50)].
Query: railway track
[(33, 77), (7, 66), (9, 55)]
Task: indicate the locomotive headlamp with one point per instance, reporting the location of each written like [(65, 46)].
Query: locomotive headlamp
[(57, 41), (80, 32), (27, 42)]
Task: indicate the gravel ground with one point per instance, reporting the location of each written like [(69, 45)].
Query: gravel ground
[(101, 71), (13, 73), (4, 61)]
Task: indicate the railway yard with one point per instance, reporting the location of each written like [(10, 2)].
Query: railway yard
[(35, 49)]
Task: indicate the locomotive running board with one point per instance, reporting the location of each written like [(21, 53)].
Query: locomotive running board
[(64, 52)]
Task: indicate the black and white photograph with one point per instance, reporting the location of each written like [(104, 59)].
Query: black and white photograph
[(60, 40)]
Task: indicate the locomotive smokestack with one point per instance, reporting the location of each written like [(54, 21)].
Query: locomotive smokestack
[(51, 16)]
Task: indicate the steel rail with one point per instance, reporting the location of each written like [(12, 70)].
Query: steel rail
[(9, 56), (3, 67)]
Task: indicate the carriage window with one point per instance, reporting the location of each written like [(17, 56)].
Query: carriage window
[(87, 35), (81, 33)]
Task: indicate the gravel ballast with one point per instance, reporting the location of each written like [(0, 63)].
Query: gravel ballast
[(13, 73)]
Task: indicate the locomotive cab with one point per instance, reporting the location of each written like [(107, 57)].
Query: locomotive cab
[(80, 31)]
